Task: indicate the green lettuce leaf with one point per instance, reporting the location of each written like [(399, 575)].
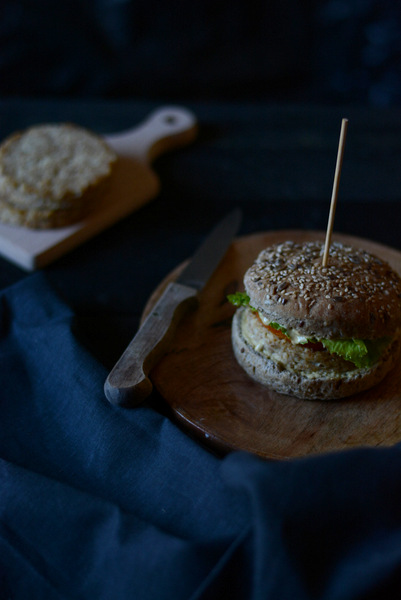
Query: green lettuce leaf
[(363, 353), (279, 327), (239, 299)]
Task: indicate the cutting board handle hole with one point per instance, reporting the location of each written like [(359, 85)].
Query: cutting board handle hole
[(170, 119)]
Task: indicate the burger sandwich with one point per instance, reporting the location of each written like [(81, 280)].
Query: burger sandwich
[(313, 331)]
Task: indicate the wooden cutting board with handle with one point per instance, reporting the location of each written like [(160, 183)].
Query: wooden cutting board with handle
[(215, 400), (134, 184)]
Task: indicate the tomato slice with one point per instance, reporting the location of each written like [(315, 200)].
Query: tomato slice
[(282, 336), (277, 332)]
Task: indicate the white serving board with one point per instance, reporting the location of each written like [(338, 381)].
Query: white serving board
[(134, 184)]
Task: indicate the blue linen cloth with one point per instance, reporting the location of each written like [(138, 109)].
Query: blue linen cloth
[(107, 503)]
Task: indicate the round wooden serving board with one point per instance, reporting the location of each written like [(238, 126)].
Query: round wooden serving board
[(214, 398)]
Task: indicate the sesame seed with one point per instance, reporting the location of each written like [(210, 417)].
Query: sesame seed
[(292, 271)]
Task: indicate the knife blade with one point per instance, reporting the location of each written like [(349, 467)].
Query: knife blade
[(128, 383)]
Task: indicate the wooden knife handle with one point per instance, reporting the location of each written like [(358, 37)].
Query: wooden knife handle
[(128, 383)]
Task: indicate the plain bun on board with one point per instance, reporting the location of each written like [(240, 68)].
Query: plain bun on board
[(318, 332), (52, 175)]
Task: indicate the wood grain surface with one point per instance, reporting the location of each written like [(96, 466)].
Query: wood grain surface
[(215, 400)]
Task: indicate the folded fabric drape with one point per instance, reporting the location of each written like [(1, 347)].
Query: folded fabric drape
[(101, 502)]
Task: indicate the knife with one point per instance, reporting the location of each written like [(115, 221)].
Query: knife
[(128, 383)]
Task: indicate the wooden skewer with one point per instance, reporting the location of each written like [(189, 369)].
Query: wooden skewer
[(334, 195)]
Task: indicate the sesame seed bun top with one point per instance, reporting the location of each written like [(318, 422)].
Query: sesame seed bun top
[(357, 295)]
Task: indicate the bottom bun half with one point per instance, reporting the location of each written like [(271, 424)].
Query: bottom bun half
[(295, 370)]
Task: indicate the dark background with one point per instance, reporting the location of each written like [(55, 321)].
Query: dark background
[(333, 51), (268, 81), (100, 502)]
